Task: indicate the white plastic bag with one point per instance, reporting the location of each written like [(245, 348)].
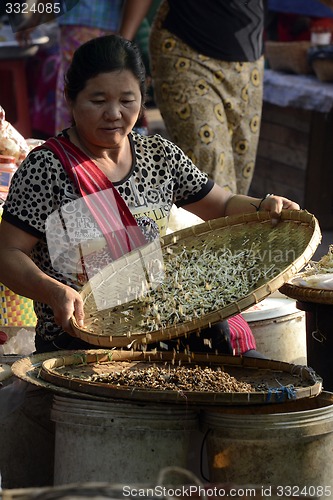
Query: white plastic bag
[(22, 343), (12, 143), (320, 281)]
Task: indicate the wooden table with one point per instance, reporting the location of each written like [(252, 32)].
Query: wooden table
[(295, 151)]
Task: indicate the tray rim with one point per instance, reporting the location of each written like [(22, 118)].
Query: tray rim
[(186, 397), (307, 293), (28, 369)]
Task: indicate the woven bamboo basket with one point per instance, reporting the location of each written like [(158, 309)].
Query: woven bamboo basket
[(272, 381), (307, 294), (288, 56), (323, 69), (321, 60), (283, 249), (29, 368)]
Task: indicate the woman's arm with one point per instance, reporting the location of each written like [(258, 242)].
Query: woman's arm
[(133, 14), (19, 273), (219, 203)]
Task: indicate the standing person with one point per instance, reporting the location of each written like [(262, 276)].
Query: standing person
[(207, 69), (87, 19)]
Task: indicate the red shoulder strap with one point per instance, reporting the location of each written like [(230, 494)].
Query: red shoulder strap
[(108, 208)]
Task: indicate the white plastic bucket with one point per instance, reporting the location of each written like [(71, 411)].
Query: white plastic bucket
[(118, 441), (279, 329), (288, 444), (9, 359)]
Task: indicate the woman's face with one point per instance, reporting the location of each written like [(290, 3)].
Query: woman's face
[(106, 110)]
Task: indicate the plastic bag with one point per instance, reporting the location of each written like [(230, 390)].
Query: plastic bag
[(320, 281), (22, 343), (12, 143)]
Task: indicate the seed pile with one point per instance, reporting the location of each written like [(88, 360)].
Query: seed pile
[(172, 378), (197, 281), (325, 264)]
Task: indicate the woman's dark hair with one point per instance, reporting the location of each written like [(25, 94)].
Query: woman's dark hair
[(103, 55)]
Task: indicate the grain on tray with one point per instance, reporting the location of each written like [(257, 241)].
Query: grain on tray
[(325, 264), (195, 282), (180, 378)]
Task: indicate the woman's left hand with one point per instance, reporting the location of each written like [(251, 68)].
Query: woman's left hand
[(274, 204), (219, 203)]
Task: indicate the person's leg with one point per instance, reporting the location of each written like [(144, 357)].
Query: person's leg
[(191, 97), (211, 108), (247, 80)]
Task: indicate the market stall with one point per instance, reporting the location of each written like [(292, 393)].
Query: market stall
[(295, 152)]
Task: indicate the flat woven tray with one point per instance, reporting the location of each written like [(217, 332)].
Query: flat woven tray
[(281, 251), (29, 369), (307, 294), (271, 381)]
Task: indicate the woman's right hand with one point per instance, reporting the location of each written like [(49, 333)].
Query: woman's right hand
[(20, 274), (66, 302)]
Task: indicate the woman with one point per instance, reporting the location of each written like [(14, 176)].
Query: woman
[(105, 90), (105, 87)]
